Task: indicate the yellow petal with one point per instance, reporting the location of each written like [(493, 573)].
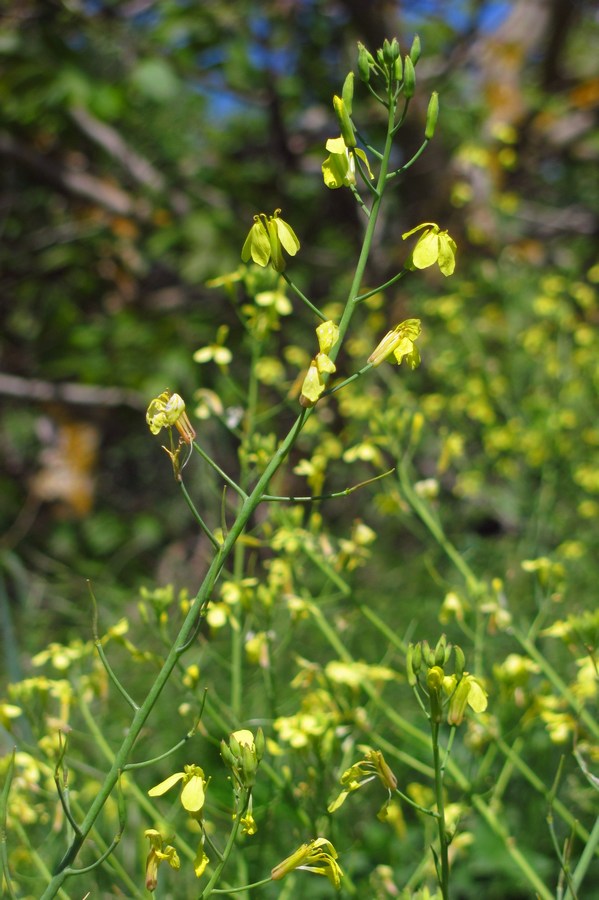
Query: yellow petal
[(165, 785), (192, 795)]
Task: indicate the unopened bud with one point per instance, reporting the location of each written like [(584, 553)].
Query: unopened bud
[(347, 93), (427, 654), (398, 69), (260, 743), (434, 678), (432, 114), (459, 661), (415, 49), (411, 675), (347, 129), (409, 78), (365, 62), (228, 758), (390, 51), (440, 650)]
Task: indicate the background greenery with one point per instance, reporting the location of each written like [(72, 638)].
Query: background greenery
[(137, 141)]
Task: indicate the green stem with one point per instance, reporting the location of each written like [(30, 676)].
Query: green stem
[(382, 287), (557, 682), (197, 516), (246, 887), (443, 874), (303, 297), (208, 890)]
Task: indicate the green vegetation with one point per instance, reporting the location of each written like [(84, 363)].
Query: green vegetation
[(355, 636)]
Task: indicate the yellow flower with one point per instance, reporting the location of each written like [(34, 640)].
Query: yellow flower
[(339, 168), (399, 343), (314, 384), (194, 788), (267, 238), (158, 854), (468, 691), (318, 856), (373, 765), (434, 246), (167, 410)]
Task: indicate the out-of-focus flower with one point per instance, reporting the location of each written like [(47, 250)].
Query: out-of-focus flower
[(158, 854)]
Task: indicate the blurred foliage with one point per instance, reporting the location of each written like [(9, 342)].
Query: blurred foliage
[(138, 139)]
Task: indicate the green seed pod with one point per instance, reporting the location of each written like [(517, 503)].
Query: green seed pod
[(432, 114), (347, 129), (409, 78), (415, 49), (347, 94)]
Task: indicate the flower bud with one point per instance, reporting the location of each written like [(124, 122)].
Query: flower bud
[(365, 63), (347, 93), (427, 654), (398, 69), (434, 678), (440, 651), (432, 114), (409, 78), (415, 49), (411, 675), (260, 744), (459, 661), (390, 51), (417, 658), (228, 757), (347, 129)]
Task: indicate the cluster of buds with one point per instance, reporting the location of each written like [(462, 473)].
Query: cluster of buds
[(242, 754), (321, 366), (448, 694), (398, 74)]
